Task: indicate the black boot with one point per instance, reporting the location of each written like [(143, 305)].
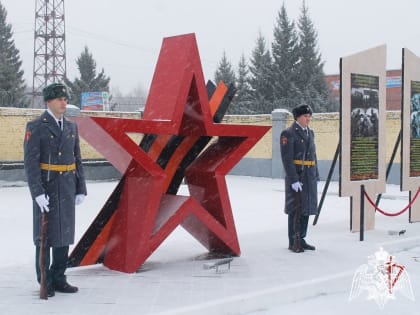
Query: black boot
[(306, 245), (296, 247), (65, 287), (50, 290)]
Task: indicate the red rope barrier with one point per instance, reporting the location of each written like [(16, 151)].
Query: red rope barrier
[(392, 214)]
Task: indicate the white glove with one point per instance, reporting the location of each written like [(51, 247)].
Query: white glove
[(42, 201), (297, 186), (79, 199)]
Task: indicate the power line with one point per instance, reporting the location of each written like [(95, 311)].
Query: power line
[(105, 38)]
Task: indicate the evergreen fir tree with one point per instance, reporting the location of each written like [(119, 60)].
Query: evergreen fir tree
[(311, 78), (224, 72), (261, 78), (89, 81), (12, 84), (242, 101), (285, 61)]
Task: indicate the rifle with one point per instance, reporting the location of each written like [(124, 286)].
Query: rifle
[(43, 292), (297, 243)]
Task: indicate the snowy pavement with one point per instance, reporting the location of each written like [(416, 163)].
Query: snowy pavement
[(266, 279)]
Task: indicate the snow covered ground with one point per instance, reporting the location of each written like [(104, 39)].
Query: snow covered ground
[(266, 279)]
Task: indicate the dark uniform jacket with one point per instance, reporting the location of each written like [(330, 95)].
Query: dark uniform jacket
[(296, 146), (46, 143)]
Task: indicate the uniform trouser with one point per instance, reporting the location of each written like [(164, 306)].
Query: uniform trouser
[(55, 271), (303, 226)]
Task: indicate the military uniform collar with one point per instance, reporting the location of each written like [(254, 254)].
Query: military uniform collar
[(56, 120), (307, 128), (51, 123)]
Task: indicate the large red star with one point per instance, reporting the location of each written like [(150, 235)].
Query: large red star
[(181, 138)]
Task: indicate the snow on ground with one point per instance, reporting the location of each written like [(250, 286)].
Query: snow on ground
[(266, 279)]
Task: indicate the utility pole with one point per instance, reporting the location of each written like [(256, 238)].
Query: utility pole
[(49, 47)]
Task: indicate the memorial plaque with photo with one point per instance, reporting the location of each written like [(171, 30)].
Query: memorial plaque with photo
[(364, 126), (415, 129)]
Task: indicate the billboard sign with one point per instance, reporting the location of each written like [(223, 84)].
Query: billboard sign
[(94, 101)]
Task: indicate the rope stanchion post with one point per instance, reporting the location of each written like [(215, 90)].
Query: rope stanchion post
[(362, 212), (410, 203), (391, 161), (327, 183)]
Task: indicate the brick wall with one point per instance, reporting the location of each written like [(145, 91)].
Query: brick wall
[(13, 122), (326, 127)]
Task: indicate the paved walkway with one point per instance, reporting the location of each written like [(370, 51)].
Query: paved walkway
[(265, 279)]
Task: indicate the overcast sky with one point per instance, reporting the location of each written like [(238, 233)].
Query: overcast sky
[(125, 36)]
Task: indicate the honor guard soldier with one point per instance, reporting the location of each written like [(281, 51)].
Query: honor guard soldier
[(53, 166), (301, 175)]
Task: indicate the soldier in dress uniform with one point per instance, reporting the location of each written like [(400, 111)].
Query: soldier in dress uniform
[(53, 166), (300, 164)]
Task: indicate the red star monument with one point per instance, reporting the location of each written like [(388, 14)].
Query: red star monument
[(182, 137)]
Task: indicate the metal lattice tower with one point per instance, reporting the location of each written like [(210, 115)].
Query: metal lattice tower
[(49, 46)]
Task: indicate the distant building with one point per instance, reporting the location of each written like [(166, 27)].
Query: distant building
[(393, 88)]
